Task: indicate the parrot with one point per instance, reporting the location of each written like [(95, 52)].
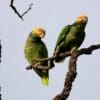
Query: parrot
[(36, 49), (71, 37)]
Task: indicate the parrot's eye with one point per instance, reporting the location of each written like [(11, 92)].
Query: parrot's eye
[(41, 30), (41, 33)]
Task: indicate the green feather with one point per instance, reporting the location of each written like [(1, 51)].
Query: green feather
[(63, 34), (36, 49), (45, 80), (71, 36)]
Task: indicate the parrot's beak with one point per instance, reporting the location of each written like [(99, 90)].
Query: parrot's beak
[(40, 32), (82, 19), (42, 35)]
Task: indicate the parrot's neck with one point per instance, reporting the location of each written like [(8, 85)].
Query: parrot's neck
[(34, 37), (80, 25)]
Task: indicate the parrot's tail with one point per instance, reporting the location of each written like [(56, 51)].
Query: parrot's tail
[(45, 80), (44, 75)]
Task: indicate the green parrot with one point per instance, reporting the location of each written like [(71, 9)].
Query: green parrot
[(36, 49), (71, 37)]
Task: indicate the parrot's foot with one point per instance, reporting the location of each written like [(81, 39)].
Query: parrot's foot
[(74, 49), (36, 65), (29, 67), (51, 63), (56, 53)]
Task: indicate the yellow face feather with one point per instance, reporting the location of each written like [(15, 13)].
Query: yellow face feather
[(82, 19), (39, 31)]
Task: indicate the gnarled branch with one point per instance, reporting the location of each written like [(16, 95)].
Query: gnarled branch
[(15, 10), (72, 71), (82, 51), (72, 68), (70, 77)]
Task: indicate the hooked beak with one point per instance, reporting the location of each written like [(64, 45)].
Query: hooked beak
[(42, 35)]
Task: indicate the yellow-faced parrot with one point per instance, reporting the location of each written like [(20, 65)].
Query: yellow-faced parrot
[(71, 37), (36, 49)]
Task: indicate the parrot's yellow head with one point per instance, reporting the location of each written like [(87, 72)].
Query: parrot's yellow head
[(39, 32), (81, 19)]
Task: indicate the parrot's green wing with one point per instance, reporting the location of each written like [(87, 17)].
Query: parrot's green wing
[(42, 52), (63, 34), (70, 38), (35, 48), (61, 39)]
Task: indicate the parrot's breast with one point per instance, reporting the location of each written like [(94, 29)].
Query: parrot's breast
[(35, 50), (73, 38)]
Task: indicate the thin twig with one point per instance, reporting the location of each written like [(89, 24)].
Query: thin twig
[(82, 51), (66, 54), (50, 59), (88, 50), (15, 10), (39, 67), (30, 7)]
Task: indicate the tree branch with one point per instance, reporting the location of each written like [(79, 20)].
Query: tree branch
[(66, 54), (30, 7), (0, 62), (15, 10), (70, 77), (88, 50), (0, 50), (72, 72), (82, 51), (0, 92)]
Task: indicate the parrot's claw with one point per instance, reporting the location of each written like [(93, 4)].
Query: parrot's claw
[(51, 63), (29, 67), (74, 49), (36, 65), (56, 53)]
